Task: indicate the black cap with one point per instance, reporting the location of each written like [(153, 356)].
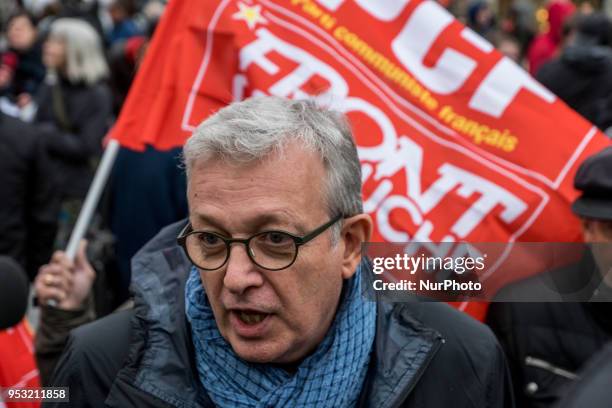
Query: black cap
[(594, 179)]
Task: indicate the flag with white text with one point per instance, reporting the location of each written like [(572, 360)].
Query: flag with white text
[(457, 142)]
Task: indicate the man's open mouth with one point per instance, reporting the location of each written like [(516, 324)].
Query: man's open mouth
[(250, 317)]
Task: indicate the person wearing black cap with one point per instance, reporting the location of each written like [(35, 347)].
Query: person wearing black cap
[(594, 179), (582, 75), (594, 206), (548, 342)]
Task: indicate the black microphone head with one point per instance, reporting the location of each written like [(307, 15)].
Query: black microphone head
[(14, 290)]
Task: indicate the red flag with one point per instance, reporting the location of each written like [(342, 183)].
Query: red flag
[(457, 142), (17, 364)]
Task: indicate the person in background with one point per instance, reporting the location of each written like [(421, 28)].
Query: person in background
[(548, 342), (122, 14), (14, 290), (74, 106), (30, 200), (509, 46), (23, 40), (17, 363), (125, 57), (582, 75), (586, 7), (68, 284), (519, 23), (547, 45), (147, 191), (481, 18), (8, 65)]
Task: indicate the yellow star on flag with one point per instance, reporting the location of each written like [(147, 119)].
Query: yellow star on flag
[(251, 15)]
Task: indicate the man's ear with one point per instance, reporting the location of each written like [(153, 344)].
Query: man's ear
[(588, 230), (355, 231)]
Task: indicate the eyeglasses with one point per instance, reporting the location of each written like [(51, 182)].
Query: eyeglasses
[(272, 250)]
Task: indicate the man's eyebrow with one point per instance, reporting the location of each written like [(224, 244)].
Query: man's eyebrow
[(259, 222), (275, 219), (210, 221)]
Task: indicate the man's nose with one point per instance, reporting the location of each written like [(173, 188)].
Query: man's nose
[(241, 273)]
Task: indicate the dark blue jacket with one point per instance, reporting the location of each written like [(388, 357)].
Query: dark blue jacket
[(424, 354), (148, 191)]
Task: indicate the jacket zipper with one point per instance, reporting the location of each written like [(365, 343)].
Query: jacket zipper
[(402, 396), (545, 365)]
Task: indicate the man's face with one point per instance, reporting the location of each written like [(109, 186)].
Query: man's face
[(20, 33), (599, 234), (117, 13), (510, 49), (297, 304)]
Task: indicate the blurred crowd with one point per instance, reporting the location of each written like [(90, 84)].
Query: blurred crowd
[(65, 70), (566, 45)]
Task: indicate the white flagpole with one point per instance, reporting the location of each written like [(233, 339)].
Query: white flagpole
[(93, 196)]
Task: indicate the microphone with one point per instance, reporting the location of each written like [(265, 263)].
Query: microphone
[(14, 290)]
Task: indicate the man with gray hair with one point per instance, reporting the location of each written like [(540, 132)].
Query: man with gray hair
[(263, 306)]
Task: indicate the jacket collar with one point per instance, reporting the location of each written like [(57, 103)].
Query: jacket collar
[(403, 349), (160, 360)]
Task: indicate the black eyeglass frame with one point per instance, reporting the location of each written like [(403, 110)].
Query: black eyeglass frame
[(298, 241)]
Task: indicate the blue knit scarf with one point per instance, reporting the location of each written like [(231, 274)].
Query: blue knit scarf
[(332, 376)]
